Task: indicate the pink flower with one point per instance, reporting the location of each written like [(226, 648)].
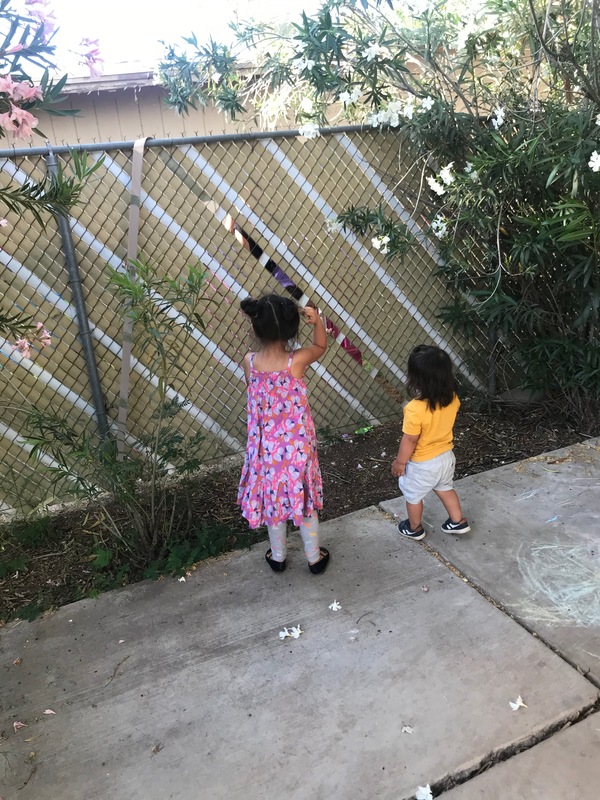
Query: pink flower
[(24, 92), (23, 346), (7, 85), (18, 123), (16, 48), (8, 124), (45, 338)]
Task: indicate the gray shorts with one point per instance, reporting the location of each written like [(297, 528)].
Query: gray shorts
[(421, 477)]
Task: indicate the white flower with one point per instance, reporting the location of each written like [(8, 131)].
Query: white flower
[(409, 108), (394, 120), (427, 103), (395, 107), (498, 119), (446, 174), (598, 120), (295, 632), (424, 793), (594, 162), (439, 226), (181, 580), (333, 226), (350, 97), (300, 64), (406, 729), (435, 186), (472, 173), (373, 50), (335, 606), (381, 244), (309, 130), (517, 704), (374, 121), (306, 105), (284, 634)]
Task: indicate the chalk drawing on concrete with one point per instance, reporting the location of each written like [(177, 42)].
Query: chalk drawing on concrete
[(563, 583)]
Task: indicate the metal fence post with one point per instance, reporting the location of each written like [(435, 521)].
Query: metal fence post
[(83, 324)]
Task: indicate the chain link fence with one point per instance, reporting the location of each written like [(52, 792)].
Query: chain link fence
[(254, 212)]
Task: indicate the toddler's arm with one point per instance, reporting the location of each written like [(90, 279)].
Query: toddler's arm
[(405, 451)]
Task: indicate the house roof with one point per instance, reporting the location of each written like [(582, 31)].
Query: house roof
[(111, 83)]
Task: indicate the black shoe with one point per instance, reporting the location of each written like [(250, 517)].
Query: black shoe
[(321, 564), (456, 527), (276, 566), (405, 529)]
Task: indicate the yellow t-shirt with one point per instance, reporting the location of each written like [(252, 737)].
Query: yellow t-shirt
[(434, 428)]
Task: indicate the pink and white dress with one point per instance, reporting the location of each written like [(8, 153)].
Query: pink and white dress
[(281, 478)]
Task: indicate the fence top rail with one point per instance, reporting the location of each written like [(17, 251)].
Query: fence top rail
[(19, 152)]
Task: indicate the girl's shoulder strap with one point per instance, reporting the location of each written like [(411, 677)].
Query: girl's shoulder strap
[(252, 360), (289, 364)]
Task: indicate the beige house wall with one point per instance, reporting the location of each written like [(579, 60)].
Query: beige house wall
[(128, 114)]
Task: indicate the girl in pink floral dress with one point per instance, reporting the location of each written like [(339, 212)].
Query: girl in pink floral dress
[(281, 479)]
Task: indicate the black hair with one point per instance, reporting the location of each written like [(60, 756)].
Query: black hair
[(430, 376), (274, 318)]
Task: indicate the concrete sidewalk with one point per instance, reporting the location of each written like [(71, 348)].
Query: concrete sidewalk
[(185, 690), (535, 545)]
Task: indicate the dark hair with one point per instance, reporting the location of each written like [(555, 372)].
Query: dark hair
[(274, 318), (430, 376)]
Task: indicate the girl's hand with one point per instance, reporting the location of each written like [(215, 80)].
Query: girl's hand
[(398, 469), (311, 315)]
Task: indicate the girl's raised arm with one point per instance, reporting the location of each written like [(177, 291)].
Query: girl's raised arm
[(306, 355)]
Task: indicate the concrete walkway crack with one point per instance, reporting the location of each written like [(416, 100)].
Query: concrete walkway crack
[(439, 788)]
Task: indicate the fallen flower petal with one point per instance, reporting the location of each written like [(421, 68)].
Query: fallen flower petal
[(17, 662), (335, 606), (18, 725), (284, 634), (181, 580), (517, 704), (424, 793), (424, 588), (49, 711), (295, 632), (406, 729)]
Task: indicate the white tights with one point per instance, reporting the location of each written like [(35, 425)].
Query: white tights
[(309, 531)]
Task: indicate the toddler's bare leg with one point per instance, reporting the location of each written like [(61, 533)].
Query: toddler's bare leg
[(451, 503), (415, 514)]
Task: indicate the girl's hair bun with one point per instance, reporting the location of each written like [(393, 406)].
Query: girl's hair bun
[(250, 307)]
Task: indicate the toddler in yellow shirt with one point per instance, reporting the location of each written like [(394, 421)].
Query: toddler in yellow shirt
[(425, 461)]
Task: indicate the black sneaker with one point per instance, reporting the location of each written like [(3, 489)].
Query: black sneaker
[(405, 529), (456, 527)]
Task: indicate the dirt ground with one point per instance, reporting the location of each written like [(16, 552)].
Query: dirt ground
[(356, 473)]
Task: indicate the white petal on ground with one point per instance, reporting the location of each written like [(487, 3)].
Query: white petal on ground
[(424, 793), (295, 632), (517, 704), (49, 711), (335, 606), (424, 588), (181, 580), (18, 725), (406, 729), (284, 634)]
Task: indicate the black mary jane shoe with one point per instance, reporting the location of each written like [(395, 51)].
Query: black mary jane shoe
[(276, 566), (321, 564)]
